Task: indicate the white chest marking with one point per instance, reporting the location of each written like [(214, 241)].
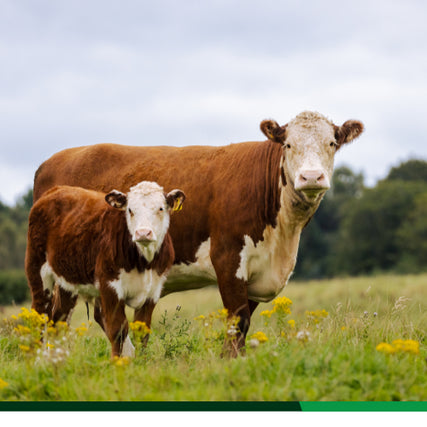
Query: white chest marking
[(268, 265), (135, 288)]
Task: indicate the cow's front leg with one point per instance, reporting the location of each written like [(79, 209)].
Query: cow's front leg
[(144, 314), (115, 322), (234, 295)]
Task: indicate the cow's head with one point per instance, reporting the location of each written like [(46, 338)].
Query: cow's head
[(310, 142), (148, 211)]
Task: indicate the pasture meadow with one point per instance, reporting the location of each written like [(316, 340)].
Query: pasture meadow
[(353, 339)]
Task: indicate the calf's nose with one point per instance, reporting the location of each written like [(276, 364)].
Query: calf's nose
[(144, 235)]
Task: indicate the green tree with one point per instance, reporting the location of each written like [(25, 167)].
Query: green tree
[(316, 257), (411, 170), (412, 237), (368, 238)]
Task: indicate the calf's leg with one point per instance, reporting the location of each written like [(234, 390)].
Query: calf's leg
[(144, 314), (115, 322)]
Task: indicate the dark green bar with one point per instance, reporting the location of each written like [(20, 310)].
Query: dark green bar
[(364, 406), (149, 406)]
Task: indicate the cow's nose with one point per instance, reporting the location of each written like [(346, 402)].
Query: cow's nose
[(312, 179), (144, 235)]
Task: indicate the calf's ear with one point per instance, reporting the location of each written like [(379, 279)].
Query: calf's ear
[(273, 131), (350, 130), (117, 199), (175, 199)]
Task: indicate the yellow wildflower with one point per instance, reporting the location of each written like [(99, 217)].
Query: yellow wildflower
[(201, 317), (139, 328), (24, 348), (291, 323), (3, 384), (317, 315), (281, 305), (403, 346), (266, 313), (121, 361), (407, 346), (384, 347), (22, 330), (260, 336)]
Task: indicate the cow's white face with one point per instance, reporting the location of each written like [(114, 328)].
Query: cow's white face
[(310, 142), (147, 209)]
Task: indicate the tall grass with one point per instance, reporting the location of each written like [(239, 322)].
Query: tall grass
[(304, 355)]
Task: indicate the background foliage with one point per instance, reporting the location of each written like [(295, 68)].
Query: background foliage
[(356, 230)]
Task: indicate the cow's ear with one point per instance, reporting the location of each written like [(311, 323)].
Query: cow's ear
[(117, 199), (175, 199), (350, 130), (273, 131)]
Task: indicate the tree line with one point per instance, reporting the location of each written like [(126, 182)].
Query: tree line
[(357, 230)]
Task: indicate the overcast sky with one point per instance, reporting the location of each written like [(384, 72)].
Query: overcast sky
[(207, 72)]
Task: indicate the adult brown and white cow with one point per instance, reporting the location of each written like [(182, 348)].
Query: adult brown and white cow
[(111, 249), (248, 202)]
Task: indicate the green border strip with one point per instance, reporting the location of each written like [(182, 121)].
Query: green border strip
[(364, 406), (149, 406), (116, 406)]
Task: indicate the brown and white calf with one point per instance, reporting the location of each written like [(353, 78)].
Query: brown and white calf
[(248, 202), (113, 250)]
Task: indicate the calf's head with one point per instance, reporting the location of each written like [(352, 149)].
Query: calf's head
[(310, 142), (147, 209)]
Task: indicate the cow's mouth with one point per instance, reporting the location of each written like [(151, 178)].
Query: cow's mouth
[(312, 194)]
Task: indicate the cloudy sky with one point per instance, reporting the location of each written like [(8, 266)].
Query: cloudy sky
[(185, 72)]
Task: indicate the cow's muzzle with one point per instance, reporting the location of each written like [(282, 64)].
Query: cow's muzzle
[(312, 182)]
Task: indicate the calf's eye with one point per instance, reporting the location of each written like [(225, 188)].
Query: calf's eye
[(130, 211), (288, 145)]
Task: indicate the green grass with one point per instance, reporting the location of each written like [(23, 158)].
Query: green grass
[(339, 361)]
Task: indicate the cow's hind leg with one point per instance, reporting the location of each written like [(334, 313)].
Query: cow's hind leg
[(40, 280), (63, 303)]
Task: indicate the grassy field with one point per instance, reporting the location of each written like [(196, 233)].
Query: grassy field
[(361, 339)]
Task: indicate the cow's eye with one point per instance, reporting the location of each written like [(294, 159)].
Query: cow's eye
[(130, 211), (160, 209), (288, 146), (333, 144)]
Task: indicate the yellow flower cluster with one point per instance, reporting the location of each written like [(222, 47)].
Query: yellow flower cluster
[(260, 336), (317, 315), (399, 346), (280, 305), (121, 361), (139, 329), (39, 337), (81, 330)]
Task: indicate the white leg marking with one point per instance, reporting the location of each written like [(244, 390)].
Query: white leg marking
[(128, 348)]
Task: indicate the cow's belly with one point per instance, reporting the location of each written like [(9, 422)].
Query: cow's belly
[(265, 270), (196, 275)]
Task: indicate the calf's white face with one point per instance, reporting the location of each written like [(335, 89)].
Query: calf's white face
[(147, 209), (310, 142)]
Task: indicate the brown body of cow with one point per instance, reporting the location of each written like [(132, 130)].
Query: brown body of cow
[(247, 202), (91, 245)]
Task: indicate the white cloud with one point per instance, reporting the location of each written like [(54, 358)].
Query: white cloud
[(208, 74)]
